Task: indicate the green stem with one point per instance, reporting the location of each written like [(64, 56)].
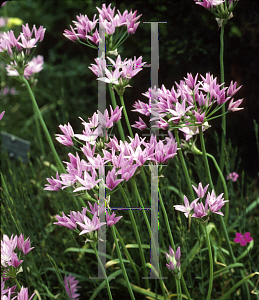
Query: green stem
[(177, 288), (180, 290), (45, 129), (122, 264), (135, 228), (18, 284), (187, 177), (207, 168), (39, 132), (224, 186), (161, 202), (114, 104), (104, 273), (223, 124), (127, 254), (211, 264), (148, 227), (126, 116), (222, 223)]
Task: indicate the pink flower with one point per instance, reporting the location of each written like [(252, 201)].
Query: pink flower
[(71, 287), (233, 176), (186, 208), (200, 191), (1, 115), (25, 246), (66, 221), (141, 125), (243, 239), (66, 139), (232, 89), (94, 209), (54, 184), (111, 179), (233, 106), (23, 294), (90, 225), (209, 3), (173, 260), (199, 211), (111, 219)]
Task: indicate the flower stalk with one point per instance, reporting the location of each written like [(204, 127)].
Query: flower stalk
[(45, 129), (104, 273)]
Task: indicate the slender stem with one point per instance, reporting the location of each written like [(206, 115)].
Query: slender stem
[(38, 131), (180, 290), (161, 202), (187, 177), (222, 223), (224, 186), (18, 284), (207, 168), (104, 273), (114, 104), (128, 255), (223, 124), (177, 288), (211, 264), (45, 129), (122, 264), (126, 116), (135, 228), (149, 229)]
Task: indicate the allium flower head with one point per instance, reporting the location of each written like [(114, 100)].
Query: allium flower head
[(84, 27), (173, 261), (243, 239), (188, 105)]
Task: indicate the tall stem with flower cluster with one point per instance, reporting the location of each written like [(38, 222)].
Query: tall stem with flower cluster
[(45, 129)]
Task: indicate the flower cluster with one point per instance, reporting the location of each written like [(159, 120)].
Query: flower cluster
[(71, 287), (33, 66), (197, 210), (86, 225), (191, 104), (10, 264), (173, 261), (84, 28), (222, 9), (233, 176), (122, 73), (19, 49), (125, 158)]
